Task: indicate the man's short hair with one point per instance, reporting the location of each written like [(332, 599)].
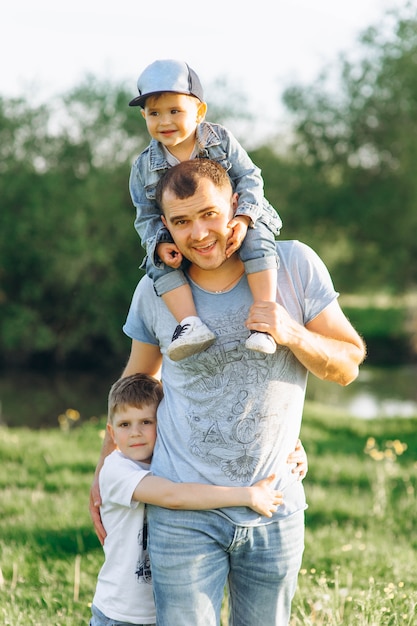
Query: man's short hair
[(183, 179), (137, 390)]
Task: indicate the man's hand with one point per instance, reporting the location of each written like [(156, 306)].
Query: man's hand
[(169, 254), (264, 498), (328, 346), (239, 225), (94, 507), (299, 458), (272, 318)]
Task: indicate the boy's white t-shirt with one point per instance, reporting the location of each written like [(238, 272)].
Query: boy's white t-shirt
[(124, 585)]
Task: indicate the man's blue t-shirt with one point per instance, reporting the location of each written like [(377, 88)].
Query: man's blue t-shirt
[(231, 416)]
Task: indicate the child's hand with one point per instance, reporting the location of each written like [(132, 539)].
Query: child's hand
[(169, 254), (299, 457), (264, 499), (239, 226)]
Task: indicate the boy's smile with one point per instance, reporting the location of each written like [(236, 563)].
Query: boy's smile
[(171, 119)]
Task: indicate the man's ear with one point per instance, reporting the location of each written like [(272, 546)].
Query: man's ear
[(164, 221), (143, 113)]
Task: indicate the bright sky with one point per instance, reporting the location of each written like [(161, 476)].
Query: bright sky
[(48, 46)]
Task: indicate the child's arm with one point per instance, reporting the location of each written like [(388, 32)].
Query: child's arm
[(261, 497), (148, 222), (245, 175), (247, 183)]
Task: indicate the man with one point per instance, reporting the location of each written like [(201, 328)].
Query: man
[(231, 415)]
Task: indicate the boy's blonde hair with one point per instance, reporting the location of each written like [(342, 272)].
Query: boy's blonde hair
[(137, 390)]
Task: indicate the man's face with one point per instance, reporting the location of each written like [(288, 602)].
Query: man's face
[(199, 224)]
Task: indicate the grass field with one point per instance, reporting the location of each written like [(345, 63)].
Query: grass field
[(360, 560)]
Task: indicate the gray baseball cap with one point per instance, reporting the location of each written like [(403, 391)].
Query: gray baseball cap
[(167, 75)]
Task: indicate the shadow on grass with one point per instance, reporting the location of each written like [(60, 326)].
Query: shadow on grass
[(64, 542)]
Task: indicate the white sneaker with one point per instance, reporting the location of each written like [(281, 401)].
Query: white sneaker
[(190, 337), (261, 342)]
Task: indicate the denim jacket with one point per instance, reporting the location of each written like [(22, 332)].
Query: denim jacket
[(216, 143)]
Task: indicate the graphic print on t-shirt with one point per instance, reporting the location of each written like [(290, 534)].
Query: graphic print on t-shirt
[(143, 568), (232, 423)]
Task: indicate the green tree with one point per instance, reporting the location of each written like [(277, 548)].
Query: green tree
[(360, 141), (69, 254)]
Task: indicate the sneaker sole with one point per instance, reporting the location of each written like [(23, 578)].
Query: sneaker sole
[(182, 352), (259, 348)]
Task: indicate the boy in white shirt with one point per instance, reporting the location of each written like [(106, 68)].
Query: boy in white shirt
[(124, 586)]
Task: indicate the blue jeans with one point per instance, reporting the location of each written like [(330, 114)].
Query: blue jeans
[(258, 251), (195, 553), (99, 619)]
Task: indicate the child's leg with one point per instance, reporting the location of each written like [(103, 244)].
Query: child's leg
[(191, 335), (180, 302), (263, 285), (259, 256)]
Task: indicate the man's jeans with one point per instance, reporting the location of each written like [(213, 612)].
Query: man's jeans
[(195, 553)]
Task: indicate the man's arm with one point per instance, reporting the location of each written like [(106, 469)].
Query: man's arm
[(146, 359), (261, 497), (328, 346)]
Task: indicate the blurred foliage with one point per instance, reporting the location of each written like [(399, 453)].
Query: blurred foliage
[(69, 254), (358, 141)]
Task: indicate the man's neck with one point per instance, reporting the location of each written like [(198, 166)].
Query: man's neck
[(220, 279)]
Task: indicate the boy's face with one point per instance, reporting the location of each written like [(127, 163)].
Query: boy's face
[(134, 432), (172, 118)]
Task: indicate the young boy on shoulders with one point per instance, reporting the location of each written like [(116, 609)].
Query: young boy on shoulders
[(172, 103), (124, 586)]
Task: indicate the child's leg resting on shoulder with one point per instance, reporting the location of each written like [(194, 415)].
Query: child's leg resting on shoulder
[(261, 262), (191, 335)]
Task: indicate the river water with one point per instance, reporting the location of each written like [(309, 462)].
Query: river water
[(36, 399), (377, 392)]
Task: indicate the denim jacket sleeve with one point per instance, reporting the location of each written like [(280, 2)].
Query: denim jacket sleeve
[(245, 176), (148, 224)]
